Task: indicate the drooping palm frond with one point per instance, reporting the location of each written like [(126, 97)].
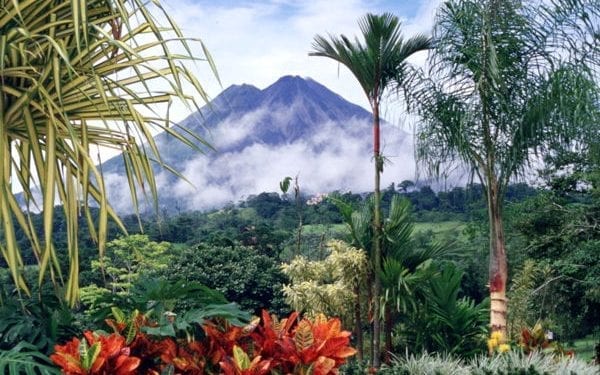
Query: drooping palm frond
[(75, 75), (500, 88)]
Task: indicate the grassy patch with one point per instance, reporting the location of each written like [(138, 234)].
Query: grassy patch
[(584, 348), (452, 229), (329, 229), (443, 229)]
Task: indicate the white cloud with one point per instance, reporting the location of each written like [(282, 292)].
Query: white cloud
[(336, 157), (258, 42)]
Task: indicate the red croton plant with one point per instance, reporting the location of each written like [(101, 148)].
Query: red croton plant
[(270, 346)]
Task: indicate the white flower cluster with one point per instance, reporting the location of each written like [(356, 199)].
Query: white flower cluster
[(313, 201)]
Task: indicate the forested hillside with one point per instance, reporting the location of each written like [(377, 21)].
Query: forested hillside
[(238, 249)]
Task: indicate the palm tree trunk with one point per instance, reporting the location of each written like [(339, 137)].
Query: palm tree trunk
[(377, 238), (498, 264), (389, 325), (358, 324)]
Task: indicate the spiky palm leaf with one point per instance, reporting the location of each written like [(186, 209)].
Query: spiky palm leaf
[(76, 74)]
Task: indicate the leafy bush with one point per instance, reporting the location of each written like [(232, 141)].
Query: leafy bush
[(138, 345), (40, 320), (25, 358), (443, 322), (154, 294), (239, 272), (354, 367)]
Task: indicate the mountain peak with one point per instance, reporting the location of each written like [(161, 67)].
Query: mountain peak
[(293, 126), (291, 80)]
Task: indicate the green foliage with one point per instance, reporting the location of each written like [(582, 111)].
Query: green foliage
[(354, 367), (128, 258), (442, 322), (560, 235), (186, 324), (39, 322), (241, 273), (511, 363), (25, 359), (156, 296), (128, 261), (529, 296)]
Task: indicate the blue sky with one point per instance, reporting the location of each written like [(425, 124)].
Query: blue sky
[(256, 42)]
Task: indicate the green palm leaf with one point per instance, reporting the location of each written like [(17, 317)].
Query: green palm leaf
[(78, 74)]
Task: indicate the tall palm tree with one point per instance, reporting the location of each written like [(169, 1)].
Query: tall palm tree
[(376, 61), (506, 84), (76, 74)]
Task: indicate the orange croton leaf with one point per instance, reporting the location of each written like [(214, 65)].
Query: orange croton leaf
[(324, 366), (126, 365), (103, 355), (303, 337), (240, 364), (68, 358)]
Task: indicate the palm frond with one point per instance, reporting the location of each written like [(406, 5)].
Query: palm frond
[(77, 74), (379, 58)]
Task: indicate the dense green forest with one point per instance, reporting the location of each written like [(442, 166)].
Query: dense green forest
[(238, 250)]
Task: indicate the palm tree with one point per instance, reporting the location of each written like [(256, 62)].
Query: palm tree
[(75, 75), (375, 62), (505, 85)]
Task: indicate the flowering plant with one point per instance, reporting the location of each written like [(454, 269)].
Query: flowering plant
[(497, 343)]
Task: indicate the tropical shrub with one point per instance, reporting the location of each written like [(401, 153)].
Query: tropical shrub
[(137, 345), (328, 286), (156, 295), (25, 358), (40, 320), (443, 322), (241, 273)]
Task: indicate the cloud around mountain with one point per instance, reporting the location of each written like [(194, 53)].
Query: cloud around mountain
[(293, 127)]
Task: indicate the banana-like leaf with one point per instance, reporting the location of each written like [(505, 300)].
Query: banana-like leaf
[(25, 359)]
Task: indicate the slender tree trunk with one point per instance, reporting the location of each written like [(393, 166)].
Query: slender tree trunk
[(377, 239), (358, 324), (498, 264), (389, 325), (299, 212)]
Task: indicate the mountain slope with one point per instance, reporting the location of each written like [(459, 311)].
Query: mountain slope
[(296, 126)]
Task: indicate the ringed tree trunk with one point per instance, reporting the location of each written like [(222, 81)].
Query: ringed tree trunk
[(377, 238), (498, 272)]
